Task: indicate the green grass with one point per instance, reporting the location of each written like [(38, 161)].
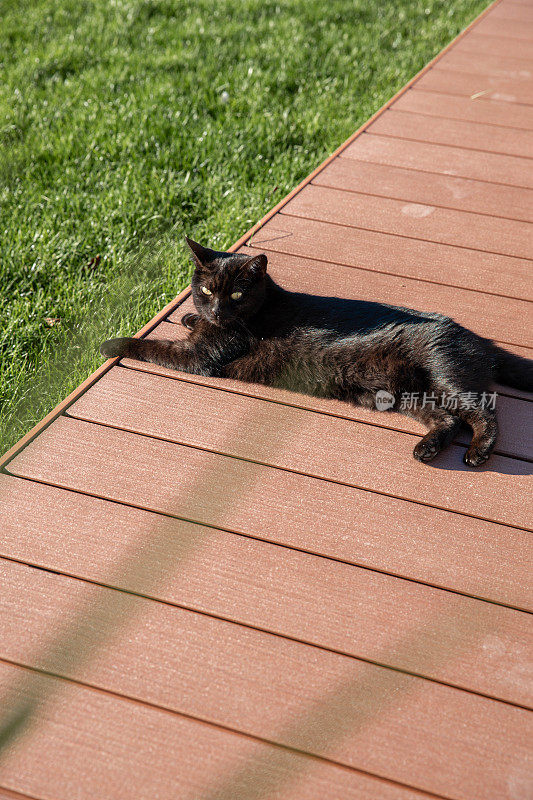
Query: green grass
[(115, 140)]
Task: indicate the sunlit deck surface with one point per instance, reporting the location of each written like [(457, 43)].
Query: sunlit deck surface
[(219, 591)]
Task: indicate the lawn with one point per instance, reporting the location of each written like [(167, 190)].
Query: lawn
[(125, 123)]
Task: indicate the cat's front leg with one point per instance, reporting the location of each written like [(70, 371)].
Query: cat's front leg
[(262, 365), (166, 353)]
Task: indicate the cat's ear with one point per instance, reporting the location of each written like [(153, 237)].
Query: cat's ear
[(201, 256), (257, 265)]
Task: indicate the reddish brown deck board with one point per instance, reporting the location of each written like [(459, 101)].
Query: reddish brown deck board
[(428, 157), (479, 44), (516, 29), (472, 109), (510, 142), (74, 459), (50, 527), (297, 565), (480, 87), (91, 744), (513, 11), (415, 221), (401, 624), (444, 191), (398, 255), (310, 683), (486, 64)]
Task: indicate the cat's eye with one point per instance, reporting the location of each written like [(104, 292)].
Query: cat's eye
[(236, 295), (206, 291)]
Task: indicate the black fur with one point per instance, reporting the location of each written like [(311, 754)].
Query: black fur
[(332, 347)]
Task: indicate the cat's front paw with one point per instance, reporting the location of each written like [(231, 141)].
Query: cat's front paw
[(114, 348), (189, 321)]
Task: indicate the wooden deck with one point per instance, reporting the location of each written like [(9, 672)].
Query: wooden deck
[(219, 591)]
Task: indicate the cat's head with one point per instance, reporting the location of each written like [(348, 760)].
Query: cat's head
[(227, 286)]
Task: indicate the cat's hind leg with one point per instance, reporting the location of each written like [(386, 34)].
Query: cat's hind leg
[(443, 427), (484, 425)]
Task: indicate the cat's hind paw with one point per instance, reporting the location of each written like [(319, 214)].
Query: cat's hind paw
[(114, 348), (426, 449), (475, 457)]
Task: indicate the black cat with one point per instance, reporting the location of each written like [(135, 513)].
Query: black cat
[(424, 365)]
